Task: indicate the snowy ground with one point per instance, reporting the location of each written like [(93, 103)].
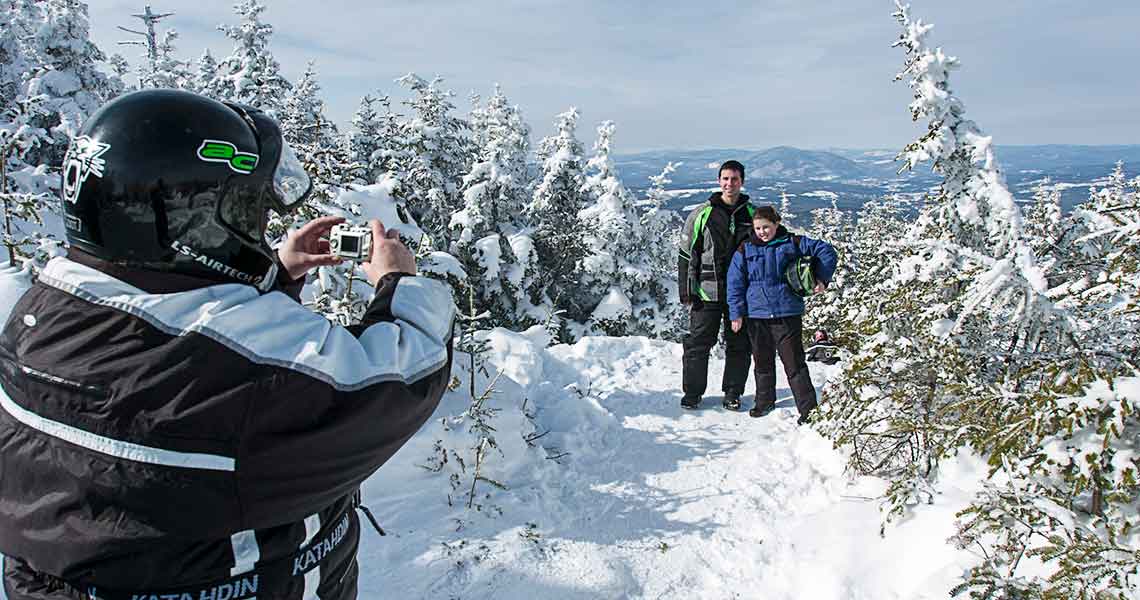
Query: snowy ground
[(644, 501), (650, 502)]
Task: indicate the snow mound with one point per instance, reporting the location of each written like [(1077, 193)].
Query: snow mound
[(610, 490)]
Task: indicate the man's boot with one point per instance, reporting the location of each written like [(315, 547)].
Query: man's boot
[(761, 411), (731, 401), (690, 402)]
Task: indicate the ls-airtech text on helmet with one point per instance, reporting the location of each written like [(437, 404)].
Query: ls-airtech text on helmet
[(216, 265)]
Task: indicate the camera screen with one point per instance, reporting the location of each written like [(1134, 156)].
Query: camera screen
[(350, 244)]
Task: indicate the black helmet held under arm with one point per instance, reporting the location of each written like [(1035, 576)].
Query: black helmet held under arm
[(173, 181)]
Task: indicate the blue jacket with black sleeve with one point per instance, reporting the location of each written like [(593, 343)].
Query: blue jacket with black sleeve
[(756, 285)]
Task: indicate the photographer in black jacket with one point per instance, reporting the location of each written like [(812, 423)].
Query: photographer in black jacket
[(174, 423)]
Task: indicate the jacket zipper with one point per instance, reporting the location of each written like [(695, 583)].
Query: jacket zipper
[(732, 223), (63, 382)]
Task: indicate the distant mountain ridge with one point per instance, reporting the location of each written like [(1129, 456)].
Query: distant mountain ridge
[(788, 161), (857, 175)]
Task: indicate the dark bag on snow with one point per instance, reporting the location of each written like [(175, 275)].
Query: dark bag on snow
[(824, 353)]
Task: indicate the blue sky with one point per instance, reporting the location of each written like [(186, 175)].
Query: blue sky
[(683, 74)]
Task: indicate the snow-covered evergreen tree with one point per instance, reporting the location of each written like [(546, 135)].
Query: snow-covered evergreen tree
[(617, 270), (206, 77), (559, 238), (13, 62), (489, 232), (826, 311), (392, 154), (1067, 456), (966, 290), (341, 293), (479, 121), (49, 82), (877, 235), (433, 153), (495, 189), (318, 145), (64, 67), (981, 351), (375, 151), (18, 134), (24, 188), (662, 230), (250, 74), (302, 114), (1042, 228), (169, 71), (119, 68), (656, 195), (787, 215), (363, 140)]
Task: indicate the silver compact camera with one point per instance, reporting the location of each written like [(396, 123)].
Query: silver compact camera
[(353, 242)]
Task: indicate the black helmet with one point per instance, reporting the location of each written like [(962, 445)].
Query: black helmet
[(173, 181), (800, 275)]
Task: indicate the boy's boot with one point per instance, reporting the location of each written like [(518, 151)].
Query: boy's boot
[(731, 401)]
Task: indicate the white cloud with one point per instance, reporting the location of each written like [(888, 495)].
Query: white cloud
[(685, 74)]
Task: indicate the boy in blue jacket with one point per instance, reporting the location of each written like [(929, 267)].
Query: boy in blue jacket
[(758, 290)]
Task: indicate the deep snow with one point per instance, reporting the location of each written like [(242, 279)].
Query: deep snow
[(644, 500), (651, 501)]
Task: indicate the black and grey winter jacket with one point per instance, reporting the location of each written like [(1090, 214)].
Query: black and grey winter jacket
[(164, 437), (710, 236)]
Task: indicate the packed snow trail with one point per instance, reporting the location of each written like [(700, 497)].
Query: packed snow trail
[(648, 501)]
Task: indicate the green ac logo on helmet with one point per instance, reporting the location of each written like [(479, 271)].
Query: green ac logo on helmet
[(225, 152)]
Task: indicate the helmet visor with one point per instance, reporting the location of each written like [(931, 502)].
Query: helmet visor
[(291, 184)]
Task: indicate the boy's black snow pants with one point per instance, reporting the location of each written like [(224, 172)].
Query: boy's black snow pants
[(705, 321), (783, 335)]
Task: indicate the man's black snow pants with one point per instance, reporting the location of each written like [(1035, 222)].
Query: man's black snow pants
[(783, 335), (705, 321)]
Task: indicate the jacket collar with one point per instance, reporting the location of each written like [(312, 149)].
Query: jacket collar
[(782, 235), (151, 281), (717, 201)]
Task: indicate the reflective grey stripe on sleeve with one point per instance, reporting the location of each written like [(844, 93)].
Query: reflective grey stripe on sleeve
[(113, 447), (273, 329)]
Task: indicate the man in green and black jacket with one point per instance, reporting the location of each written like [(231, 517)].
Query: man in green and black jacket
[(711, 234)]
